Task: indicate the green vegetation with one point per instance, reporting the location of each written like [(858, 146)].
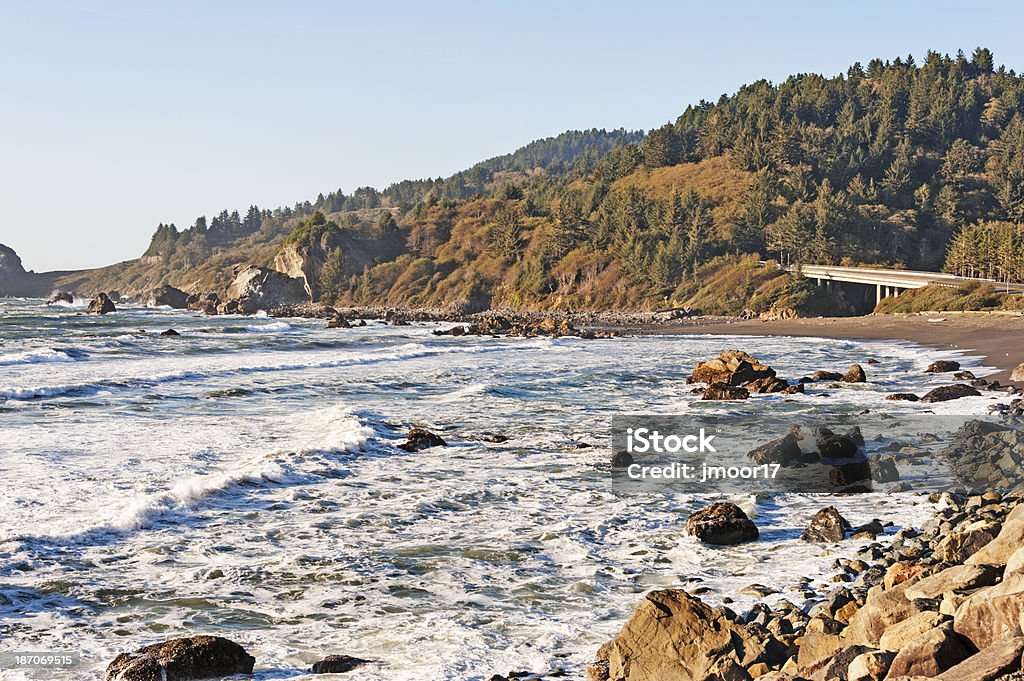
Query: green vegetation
[(974, 296), (886, 164)]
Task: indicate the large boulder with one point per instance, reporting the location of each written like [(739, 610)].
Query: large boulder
[(101, 304), (1017, 375), (672, 635), (930, 654), (835, 446), (827, 525), (992, 614), (990, 664), (854, 375), (784, 451), (337, 664), (882, 609), (260, 288), (944, 393), (901, 633), (182, 659), (958, 546), (169, 296), (421, 438), (721, 523), (732, 367), (954, 578), (943, 366)]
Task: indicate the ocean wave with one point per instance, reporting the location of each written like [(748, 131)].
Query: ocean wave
[(269, 328), (40, 356)]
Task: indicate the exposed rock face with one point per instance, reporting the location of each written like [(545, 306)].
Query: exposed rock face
[(305, 264), (169, 296), (207, 303), (14, 280), (930, 654), (182, 659), (827, 525), (101, 304), (944, 393), (421, 438), (259, 288), (673, 635), (721, 523), (337, 664), (942, 366)]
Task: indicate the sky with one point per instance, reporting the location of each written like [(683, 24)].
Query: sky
[(118, 116)]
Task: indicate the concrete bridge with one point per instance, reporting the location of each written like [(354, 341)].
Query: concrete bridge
[(892, 282)]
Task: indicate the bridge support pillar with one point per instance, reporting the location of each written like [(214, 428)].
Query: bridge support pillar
[(878, 294)]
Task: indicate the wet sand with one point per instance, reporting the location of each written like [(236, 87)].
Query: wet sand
[(999, 338)]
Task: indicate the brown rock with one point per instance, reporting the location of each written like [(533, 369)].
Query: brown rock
[(337, 664), (855, 375), (955, 578), (902, 397), (943, 366), (672, 635), (1017, 375), (421, 438), (930, 654), (724, 391), (182, 659), (1009, 539), (101, 304), (992, 614), (732, 367), (827, 525), (721, 523), (896, 636), (990, 664), (826, 376), (767, 384), (870, 666), (944, 393), (961, 545), (882, 609), (901, 572)]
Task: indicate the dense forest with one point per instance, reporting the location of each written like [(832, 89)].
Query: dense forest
[(899, 163)]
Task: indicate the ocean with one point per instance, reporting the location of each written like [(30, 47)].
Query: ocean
[(243, 479)]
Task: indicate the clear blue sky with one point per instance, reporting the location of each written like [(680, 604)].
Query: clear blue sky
[(120, 115)]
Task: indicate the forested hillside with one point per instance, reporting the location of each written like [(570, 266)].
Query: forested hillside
[(889, 163)]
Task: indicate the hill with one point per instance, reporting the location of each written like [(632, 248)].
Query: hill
[(894, 163)]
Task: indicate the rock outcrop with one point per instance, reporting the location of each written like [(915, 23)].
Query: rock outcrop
[(944, 393), (732, 367), (60, 297), (14, 280), (167, 296), (721, 523), (827, 525), (182, 659), (259, 288), (101, 304)]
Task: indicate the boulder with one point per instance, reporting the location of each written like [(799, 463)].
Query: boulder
[(169, 296), (942, 366), (260, 288), (833, 446), (784, 451), (955, 578), (732, 367), (169, 332), (852, 473), (930, 654), (817, 649), (421, 438), (992, 614), (944, 393), (901, 571), (724, 391), (870, 666), (964, 376), (1017, 375), (898, 635), (826, 376), (182, 659), (854, 375), (101, 304), (673, 635), (337, 664), (721, 523), (990, 664), (1009, 539), (827, 525), (883, 469), (767, 384), (838, 665), (958, 546), (902, 397), (60, 297), (882, 609)]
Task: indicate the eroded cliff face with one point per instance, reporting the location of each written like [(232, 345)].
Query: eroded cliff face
[(15, 281), (302, 262)]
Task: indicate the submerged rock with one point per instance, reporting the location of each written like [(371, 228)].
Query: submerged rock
[(944, 393), (421, 438), (721, 523), (182, 659), (101, 304), (337, 664)]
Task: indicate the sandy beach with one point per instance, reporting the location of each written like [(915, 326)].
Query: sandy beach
[(997, 337)]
